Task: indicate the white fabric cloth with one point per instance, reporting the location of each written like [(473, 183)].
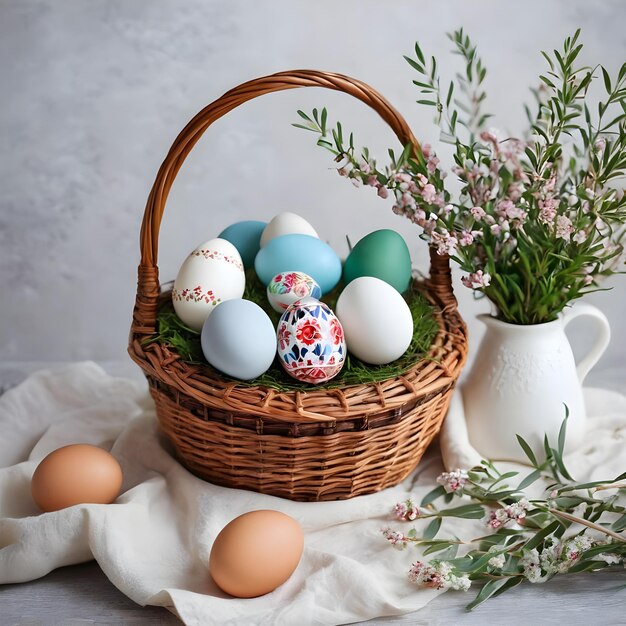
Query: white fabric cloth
[(153, 543)]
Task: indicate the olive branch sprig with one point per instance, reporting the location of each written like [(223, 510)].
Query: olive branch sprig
[(571, 529)]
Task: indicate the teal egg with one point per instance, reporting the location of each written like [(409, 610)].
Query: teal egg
[(382, 254), (299, 253), (246, 237)]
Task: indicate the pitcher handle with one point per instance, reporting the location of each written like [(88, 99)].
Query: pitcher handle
[(603, 335)]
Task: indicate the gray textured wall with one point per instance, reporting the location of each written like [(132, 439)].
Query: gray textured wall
[(94, 92)]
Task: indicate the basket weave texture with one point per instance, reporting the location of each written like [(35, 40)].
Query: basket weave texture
[(322, 444)]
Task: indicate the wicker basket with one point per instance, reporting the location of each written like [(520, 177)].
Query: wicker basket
[(322, 444)]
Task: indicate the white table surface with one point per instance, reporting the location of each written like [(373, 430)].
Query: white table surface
[(81, 594)]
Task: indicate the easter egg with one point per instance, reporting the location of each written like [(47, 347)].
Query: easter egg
[(299, 253), (286, 224), (311, 346), (211, 274), (246, 237), (376, 319), (239, 339), (76, 474), (382, 254), (284, 289), (255, 553)]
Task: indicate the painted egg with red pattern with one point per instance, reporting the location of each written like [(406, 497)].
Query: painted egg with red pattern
[(311, 345), (287, 287)]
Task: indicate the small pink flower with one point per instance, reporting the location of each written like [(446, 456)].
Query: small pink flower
[(564, 228), (547, 215), (504, 206), (478, 213), (422, 180), (403, 177), (453, 481), (429, 193), (383, 192), (511, 513), (399, 510), (466, 238), (489, 137), (419, 217), (406, 511), (477, 280), (580, 237), (432, 163), (343, 171), (372, 181), (445, 242), (396, 539)]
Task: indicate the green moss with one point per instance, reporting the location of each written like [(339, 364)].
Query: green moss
[(187, 343)]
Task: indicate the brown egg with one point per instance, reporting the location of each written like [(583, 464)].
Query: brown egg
[(255, 553), (76, 474)]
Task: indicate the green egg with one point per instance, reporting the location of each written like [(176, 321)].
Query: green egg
[(382, 254)]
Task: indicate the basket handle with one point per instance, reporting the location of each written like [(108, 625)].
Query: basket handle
[(148, 288)]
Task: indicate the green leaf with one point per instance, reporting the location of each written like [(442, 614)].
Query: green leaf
[(548, 59), (427, 102), (587, 566), (527, 450), (563, 431), (415, 65), (304, 116), (510, 583), (488, 590), (419, 53), (568, 502), (558, 459), (449, 96), (530, 479), (437, 547), (619, 524), (502, 478), (600, 549), (431, 496), (534, 541), (467, 511), (314, 130), (432, 529), (607, 79)]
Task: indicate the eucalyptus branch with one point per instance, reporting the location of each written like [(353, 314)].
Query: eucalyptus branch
[(530, 539)]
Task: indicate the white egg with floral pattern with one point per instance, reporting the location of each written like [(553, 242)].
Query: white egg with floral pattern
[(288, 287), (311, 345), (212, 273)]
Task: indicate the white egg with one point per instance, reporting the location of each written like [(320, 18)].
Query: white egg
[(376, 320), (211, 274), (287, 224)]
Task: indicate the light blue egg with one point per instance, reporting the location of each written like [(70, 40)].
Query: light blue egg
[(239, 339), (299, 253), (246, 237)]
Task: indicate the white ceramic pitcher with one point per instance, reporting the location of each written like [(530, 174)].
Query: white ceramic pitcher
[(522, 378)]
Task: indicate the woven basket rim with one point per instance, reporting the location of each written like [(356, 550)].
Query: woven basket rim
[(436, 370)]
